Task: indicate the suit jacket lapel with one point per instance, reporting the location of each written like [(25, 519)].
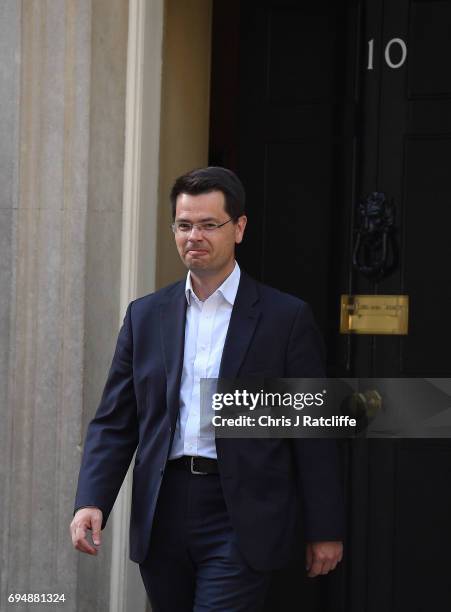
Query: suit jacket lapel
[(172, 317), (243, 321)]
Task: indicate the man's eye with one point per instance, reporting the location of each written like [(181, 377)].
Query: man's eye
[(208, 226), (184, 227)]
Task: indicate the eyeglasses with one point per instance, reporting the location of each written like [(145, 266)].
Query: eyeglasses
[(184, 227)]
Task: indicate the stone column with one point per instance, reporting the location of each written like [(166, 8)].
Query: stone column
[(62, 97)]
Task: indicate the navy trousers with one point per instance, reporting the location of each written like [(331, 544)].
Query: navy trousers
[(193, 563)]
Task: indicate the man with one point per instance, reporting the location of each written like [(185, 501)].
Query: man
[(210, 518)]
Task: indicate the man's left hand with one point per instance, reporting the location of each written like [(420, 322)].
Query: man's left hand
[(322, 557)]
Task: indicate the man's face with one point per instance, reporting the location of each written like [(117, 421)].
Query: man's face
[(207, 252)]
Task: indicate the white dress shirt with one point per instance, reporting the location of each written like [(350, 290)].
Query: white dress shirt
[(205, 332)]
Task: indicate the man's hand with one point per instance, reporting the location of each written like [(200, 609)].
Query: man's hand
[(322, 557), (84, 519)]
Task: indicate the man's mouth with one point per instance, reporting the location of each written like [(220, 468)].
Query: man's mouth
[(196, 251)]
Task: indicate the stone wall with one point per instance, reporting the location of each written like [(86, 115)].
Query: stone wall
[(62, 100)]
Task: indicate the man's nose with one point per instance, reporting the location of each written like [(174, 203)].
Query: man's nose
[(195, 233)]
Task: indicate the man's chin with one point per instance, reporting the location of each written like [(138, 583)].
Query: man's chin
[(196, 263)]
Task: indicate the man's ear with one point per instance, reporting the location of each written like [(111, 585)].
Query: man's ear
[(239, 228)]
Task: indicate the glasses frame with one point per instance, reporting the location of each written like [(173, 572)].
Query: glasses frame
[(198, 226)]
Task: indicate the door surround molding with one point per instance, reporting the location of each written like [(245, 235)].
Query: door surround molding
[(139, 211)]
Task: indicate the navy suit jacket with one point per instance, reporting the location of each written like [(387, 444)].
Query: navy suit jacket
[(270, 485)]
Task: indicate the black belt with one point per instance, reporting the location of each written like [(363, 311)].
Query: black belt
[(195, 465)]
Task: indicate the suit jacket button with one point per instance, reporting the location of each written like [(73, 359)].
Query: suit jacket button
[(162, 471)]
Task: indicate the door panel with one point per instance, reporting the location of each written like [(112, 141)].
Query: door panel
[(427, 250)]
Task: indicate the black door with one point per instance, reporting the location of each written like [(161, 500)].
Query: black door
[(317, 105), (399, 491)]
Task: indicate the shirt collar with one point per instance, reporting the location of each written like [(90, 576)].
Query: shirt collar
[(228, 289)]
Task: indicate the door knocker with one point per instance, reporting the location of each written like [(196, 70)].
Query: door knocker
[(375, 251)]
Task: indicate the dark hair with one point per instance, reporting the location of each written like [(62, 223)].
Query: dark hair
[(213, 178)]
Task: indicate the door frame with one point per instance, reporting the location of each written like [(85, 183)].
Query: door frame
[(160, 144)]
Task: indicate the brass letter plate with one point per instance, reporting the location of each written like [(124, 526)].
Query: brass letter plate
[(374, 314)]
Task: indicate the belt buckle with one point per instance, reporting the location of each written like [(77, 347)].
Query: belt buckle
[(193, 471)]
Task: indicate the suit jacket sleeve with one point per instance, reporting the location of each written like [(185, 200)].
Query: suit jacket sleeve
[(112, 435), (317, 460)]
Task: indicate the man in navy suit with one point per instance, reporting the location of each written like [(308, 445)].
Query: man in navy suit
[(210, 517)]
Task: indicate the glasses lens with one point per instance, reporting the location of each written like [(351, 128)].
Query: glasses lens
[(183, 226)]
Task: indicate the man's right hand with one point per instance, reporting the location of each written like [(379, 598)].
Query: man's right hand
[(86, 519)]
